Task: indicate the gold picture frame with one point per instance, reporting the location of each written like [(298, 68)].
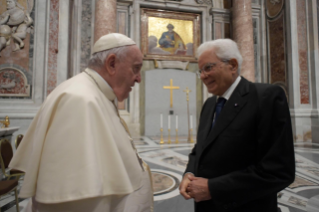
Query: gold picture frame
[(169, 35)]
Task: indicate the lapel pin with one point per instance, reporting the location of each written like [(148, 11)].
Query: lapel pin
[(236, 105)]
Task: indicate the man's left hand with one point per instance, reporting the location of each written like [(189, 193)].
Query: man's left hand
[(198, 189)]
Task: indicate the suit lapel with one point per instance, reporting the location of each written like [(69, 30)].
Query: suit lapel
[(208, 126), (236, 102)]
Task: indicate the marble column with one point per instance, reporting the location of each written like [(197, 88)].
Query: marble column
[(243, 35), (105, 18)]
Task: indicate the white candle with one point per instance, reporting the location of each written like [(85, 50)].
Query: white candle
[(161, 120), (169, 122), (191, 120), (176, 122)]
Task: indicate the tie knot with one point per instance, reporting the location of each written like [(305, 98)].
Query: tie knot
[(221, 101)]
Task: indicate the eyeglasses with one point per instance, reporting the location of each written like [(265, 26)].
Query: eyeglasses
[(208, 67)]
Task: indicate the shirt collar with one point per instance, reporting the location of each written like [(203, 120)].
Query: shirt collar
[(231, 89), (102, 84)]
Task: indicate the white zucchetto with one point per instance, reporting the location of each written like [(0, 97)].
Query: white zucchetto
[(110, 41)]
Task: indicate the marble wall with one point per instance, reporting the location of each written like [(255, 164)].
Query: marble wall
[(303, 51), (86, 33), (53, 46), (277, 49)]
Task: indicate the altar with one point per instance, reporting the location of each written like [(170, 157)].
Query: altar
[(7, 133)]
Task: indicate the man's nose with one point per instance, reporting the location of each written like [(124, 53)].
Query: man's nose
[(138, 78), (203, 75)]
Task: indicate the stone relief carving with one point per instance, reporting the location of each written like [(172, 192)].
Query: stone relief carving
[(15, 22), (13, 82)]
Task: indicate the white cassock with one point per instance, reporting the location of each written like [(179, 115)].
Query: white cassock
[(78, 156)]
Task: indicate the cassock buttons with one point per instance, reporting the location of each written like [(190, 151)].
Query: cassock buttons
[(236, 105)]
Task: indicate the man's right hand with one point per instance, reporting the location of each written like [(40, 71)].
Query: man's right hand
[(184, 184)]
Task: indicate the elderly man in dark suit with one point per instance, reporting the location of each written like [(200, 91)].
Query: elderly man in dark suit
[(244, 153)]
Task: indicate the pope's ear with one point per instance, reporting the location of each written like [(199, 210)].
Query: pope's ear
[(109, 64), (234, 63)]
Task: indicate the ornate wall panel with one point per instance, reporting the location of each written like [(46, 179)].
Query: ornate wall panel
[(277, 43), (274, 7), (16, 69), (303, 49), (277, 49)]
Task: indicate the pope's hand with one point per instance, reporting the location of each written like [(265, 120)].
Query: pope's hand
[(198, 189), (184, 184)]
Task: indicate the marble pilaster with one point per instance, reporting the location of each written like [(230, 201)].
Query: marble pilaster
[(105, 18), (243, 35), (303, 51), (53, 46)]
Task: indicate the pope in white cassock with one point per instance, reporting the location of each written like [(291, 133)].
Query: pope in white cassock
[(78, 154)]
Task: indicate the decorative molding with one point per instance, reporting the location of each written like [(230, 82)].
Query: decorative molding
[(171, 64), (274, 7), (207, 2)]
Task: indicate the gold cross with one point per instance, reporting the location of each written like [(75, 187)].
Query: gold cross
[(187, 93), (171, 87)]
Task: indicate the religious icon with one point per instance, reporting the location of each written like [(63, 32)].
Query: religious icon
[(170, 35), (171, 42)]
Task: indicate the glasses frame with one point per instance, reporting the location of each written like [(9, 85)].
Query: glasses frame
[(208, 67)]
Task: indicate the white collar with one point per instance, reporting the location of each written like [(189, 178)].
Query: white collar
[(231, 89)]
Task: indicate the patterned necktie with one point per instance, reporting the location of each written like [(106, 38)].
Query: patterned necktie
[(219, 106)]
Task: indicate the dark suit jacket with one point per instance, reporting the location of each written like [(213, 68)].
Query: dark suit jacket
[(248, 156)]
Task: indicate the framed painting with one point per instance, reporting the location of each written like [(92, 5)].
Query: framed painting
[(169, 35)]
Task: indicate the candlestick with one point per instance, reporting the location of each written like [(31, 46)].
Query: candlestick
[(176, 122), (169, 137), (191, 137), (191, 120), (162, 140), (176, 139), (169, 122)]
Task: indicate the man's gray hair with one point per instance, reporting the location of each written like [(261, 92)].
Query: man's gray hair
[(225, 49), (98, 58)]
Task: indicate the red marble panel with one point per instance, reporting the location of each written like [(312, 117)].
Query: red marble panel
[(53, 46), (303, 49), (105, 18), (218, 30), (277, 50)]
